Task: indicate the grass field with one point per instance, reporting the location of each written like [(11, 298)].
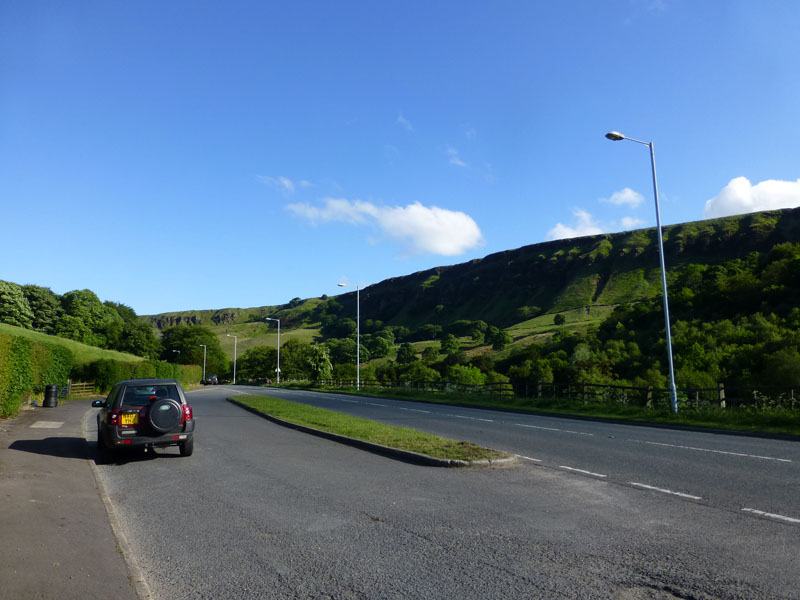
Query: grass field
[(369, 431), (82, 352), (577, 319), (257, 334)]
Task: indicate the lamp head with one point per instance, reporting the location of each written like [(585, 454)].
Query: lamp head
[(615, 136)]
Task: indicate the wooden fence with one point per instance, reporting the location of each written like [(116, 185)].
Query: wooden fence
[(77, 389)]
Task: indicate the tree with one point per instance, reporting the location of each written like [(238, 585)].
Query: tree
[(429, 355), (416, 371), (379, 347), (465, 374), (187, 339), (294, 359), (258, 362), (406, 354), (559, 319), (501, 340), (335, 327), (14, 307), (319, 363), (91, 321), (450, 344), (138, 338), (45, 305), (342, 351)]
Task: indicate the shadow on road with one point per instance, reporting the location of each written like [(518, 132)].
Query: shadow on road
[(61, 447)]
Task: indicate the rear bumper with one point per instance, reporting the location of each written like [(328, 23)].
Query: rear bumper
[(122, 438)]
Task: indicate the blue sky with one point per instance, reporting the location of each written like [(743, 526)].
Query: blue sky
[(197, 155)]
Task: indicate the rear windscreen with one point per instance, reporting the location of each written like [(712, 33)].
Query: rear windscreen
[(142, 395)]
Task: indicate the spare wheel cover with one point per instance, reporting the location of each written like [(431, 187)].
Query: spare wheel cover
[(164, 415)]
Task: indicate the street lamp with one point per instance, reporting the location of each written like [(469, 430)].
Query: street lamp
[(205, 348), (358, 332), (235, 339), (278, 370), (177, 357), (616, 136)]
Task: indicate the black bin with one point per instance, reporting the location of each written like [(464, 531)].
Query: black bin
[(50, 396)]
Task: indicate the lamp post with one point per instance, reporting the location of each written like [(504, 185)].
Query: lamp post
[(278, 370), (235, 340), (205, 348), (616, 136), (358, 332), (177, 357)]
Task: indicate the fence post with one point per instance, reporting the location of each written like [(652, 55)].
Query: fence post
[(721, 394), (538, 389), (648, 402)]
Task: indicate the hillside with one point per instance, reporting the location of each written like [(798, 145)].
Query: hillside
[(82, 353), (520, 290)]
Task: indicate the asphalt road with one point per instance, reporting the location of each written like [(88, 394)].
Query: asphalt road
[(262, 511)]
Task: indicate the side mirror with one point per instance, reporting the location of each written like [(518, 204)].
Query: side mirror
[(98, 403)]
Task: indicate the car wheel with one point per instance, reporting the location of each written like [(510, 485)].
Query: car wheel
[(187, 447), (164, 415)]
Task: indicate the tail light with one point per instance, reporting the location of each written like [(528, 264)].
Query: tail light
[(187, 413)]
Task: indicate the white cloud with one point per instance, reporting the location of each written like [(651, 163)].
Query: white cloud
[(740, 196), (631, 222), (335, 209), (404, 123), (455, 159), (283, 184), (421, 228), (585, 225), (625, 196)]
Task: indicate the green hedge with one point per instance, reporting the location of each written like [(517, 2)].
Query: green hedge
[(105, 373), (26, 367)]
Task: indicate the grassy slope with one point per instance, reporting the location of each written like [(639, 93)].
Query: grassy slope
[(81, 352)]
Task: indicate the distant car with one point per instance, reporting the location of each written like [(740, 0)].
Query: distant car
[(149, 413), (212, 380)]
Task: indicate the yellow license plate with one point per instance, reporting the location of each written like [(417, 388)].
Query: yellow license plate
[(129, 418)]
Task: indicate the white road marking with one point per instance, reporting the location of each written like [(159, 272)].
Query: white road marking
[(529, 458), (582, 471), (761, 513), (715, 451), (374, 404), (663, 491), (427, 412), (552, 429), (47, 425), (350, 401)]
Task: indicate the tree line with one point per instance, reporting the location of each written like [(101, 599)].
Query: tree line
[(78, 315)]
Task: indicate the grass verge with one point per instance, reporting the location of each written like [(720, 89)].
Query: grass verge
[(774, 421), (400, 438)]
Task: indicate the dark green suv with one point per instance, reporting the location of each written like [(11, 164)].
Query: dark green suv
[(149, 413)]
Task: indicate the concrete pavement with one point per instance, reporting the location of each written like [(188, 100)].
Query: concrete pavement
[(56, 540)]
